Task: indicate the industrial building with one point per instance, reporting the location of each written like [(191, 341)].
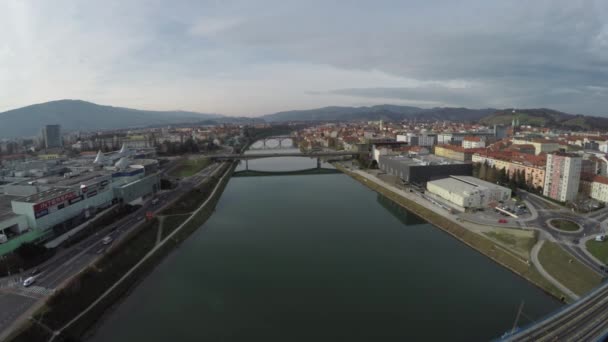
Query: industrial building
[(420, 169), (37, 209), (468, 193)]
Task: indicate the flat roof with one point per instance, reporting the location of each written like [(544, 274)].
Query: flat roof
[(6, 210), (45, 195), (424, 160), (466, 184), (60, 181)]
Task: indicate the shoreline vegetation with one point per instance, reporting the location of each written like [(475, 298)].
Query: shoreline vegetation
[(88, 286), (477, 242)]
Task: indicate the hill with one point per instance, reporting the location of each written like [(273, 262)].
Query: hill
[(380, 112), (544, 117), (82, 115)]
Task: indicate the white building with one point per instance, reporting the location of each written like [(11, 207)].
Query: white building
[(562, 176), (473, 142), (468, 192)]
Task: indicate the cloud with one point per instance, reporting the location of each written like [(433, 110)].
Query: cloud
[(246, 58), (212, 26)]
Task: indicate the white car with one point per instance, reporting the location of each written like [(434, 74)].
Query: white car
[(29, 281), (600, 238), (106, 240)]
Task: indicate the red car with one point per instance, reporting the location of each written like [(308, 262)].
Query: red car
[(503, 221)]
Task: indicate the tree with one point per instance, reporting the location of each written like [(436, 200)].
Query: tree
[(483, 170)]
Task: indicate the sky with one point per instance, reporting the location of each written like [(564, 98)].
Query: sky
[(250, 58)]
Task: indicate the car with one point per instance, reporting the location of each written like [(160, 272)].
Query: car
[(600, 238), (503, 221), (29, 281), (106, 240)]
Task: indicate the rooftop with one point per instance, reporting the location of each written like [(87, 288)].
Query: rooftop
[(422, 160), (6, 210), (45, 195), (465, 184)]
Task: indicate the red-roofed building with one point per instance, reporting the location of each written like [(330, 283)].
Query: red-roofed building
[(532, 166), (456, 152), (594, 186), (473, 142)]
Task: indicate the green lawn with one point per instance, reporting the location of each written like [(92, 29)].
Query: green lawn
[(189, 167), (520, 241), (567, 270), (598, 249), (567, 225)]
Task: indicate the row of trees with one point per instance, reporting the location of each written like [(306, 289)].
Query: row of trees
[(513, 180)]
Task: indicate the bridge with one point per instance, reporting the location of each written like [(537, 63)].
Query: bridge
[(313, 171), (583, 320), (286, 154), (279, 138), (318, 155)]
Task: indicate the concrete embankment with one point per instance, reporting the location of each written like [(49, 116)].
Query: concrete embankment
[(451, 226)]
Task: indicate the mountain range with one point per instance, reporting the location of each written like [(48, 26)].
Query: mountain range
[(75, 115)]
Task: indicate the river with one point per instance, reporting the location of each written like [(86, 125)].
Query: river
[(320, 258)]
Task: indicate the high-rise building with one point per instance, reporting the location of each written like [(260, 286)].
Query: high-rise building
[(562, 176), (51, 134)]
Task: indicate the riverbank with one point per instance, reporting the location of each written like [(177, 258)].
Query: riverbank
[(483, 245), (74, 309)]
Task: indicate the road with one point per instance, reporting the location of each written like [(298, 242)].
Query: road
[(16, 300), (590, 224), (584, 320)]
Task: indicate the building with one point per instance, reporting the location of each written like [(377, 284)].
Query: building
[(533, 167), (467, 192), (38, 209), (562, 176), (418, 139), (595, 186), (540, 145), (390, 148), (473, 142), (456, 152), (420, 169), (51, 135)]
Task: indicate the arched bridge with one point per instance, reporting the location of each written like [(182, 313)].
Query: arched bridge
[(279, 138)]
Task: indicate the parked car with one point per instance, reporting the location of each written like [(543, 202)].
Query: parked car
[(503, 221)]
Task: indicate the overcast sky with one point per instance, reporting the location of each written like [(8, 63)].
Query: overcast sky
[(257, 57)]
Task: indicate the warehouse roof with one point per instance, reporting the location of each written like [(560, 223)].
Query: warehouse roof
[(6, 210), (466, 184), (422, 160)]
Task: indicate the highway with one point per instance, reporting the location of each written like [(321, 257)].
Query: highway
[(584, 320), (16, 300)]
